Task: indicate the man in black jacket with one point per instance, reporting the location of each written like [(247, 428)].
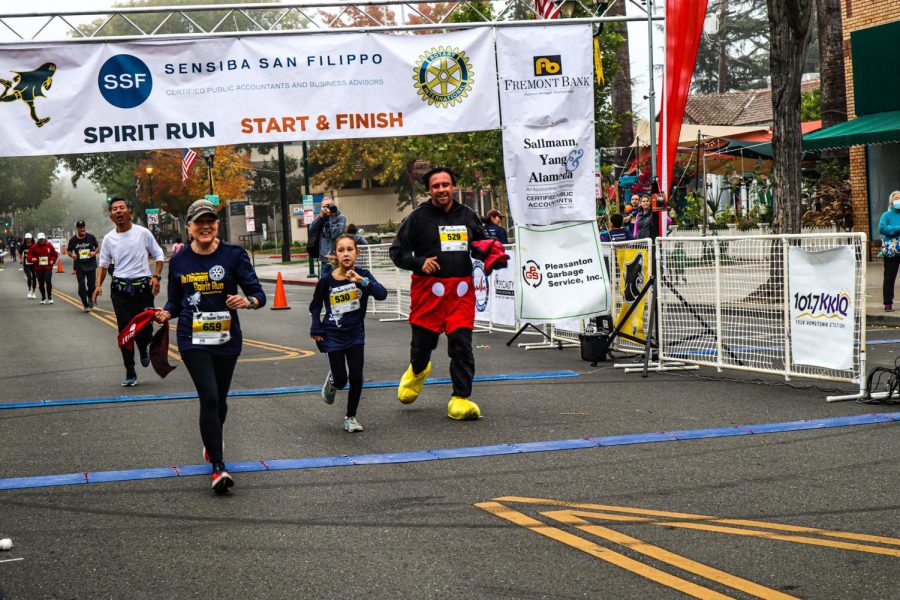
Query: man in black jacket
[(435, 243)]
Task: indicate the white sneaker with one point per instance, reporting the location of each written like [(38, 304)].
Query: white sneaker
[(50, 301), (29, 295), (43, 302), (352, 425)]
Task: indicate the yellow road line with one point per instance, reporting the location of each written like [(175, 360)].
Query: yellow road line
[(619, 560), (107, 316), (571, 518), (716, 524)]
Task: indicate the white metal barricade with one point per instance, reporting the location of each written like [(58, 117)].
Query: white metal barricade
[(723, 301)]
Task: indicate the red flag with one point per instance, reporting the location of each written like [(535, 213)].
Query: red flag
[(684, 24), (548, 9), (188, 157)]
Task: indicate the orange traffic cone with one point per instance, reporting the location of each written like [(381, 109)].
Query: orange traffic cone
[(59, 268), (280, 297)]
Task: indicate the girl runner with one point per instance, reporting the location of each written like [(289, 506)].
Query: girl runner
[(203, 295), (345, 294)]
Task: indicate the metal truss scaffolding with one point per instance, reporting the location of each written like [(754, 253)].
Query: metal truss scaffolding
[(255, 19)]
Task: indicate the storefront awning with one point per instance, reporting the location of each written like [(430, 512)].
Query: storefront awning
[(876, 128)]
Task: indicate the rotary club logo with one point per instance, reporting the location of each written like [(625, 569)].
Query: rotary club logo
[(443, 76)]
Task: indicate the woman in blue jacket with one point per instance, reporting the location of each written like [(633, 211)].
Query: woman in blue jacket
[(889, 227), (203, 295)]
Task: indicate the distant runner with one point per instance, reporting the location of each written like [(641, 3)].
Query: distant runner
[(42, 256), (83, 248), (27, 267)]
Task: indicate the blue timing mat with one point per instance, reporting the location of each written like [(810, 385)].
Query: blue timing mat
[(319, 462)]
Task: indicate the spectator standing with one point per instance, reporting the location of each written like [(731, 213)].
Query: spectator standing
[(328, 226), (493, 228), (889, 227), (357, 235)]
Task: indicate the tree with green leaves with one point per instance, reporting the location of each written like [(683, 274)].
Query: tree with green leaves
[(25, 182)]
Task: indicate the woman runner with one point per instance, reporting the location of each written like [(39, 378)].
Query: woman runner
[(203, 295)]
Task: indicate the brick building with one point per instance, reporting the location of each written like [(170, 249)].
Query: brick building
[(871, 31)]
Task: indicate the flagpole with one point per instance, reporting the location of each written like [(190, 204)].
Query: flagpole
[(652, 94)]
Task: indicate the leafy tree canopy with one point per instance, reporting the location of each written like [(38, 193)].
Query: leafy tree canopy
[(25, 182)]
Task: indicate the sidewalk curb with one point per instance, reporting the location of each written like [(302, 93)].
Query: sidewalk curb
[(883, 319), (304, 282)]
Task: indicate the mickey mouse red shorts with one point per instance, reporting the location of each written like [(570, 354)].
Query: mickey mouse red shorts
[(442, 303)]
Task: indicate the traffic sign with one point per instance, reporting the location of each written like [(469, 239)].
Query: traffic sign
[(214, 198), (152, 211), (248, 211), (152, 218), (251, 224), (308, 202)]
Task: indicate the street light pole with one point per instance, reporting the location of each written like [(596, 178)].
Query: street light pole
[(149, 171), (652, 94), (209, 156), (312, 261)]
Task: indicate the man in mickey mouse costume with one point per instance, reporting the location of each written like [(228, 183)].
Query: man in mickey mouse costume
[(436, 242)]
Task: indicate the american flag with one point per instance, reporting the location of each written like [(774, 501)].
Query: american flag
[(188, 157), (548, 9)]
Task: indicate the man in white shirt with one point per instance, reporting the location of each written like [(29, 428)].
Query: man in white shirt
[(133, 287)]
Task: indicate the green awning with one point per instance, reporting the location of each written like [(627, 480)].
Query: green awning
[(876, 128)]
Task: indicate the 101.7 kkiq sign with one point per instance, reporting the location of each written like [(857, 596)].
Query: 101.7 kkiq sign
[(823, 307), (561, 274)]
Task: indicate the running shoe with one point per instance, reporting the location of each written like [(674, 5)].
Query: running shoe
[(352, 425), (43, 301), (221, 479), (328, 390), (888, 308), (130, 380), (87, 309), (145, 357), (29, 295), (50, 301)]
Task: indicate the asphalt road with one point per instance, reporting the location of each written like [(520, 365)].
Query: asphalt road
[(811, 513)]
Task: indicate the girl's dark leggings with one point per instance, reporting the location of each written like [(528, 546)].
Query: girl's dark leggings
[(341, 361)]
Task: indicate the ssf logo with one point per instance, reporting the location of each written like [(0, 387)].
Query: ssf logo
[(531, 272), (547, 65), (125, 81)]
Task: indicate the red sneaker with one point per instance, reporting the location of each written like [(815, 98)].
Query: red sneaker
[(221, 479)]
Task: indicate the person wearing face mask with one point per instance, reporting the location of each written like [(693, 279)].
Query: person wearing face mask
[(889, 227), (203, 296)]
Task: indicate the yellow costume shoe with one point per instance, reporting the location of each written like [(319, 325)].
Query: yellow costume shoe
[(462, 409), (411, 384)]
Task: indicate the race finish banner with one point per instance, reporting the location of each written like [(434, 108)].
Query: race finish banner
[(111, 97), (547, 99), (823, 306), (561, 276)]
